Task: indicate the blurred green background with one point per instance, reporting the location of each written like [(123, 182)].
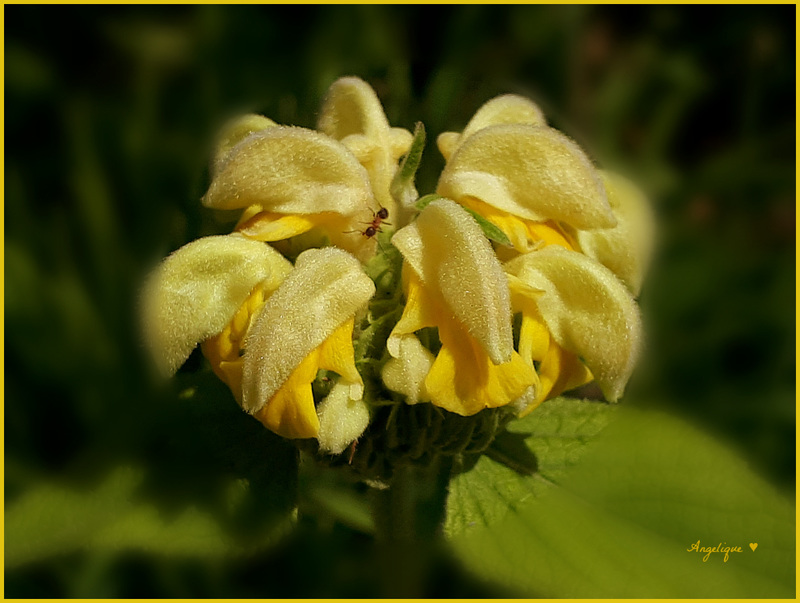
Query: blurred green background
[(110, 117)]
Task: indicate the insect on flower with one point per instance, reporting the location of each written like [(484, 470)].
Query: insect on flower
[(374, 227)]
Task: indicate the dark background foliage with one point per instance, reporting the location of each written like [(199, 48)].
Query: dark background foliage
[(110, 116)]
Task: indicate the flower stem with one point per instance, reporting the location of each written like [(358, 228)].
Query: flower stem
[(408, 518)]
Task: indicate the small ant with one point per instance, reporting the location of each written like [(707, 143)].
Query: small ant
[(374, 227)]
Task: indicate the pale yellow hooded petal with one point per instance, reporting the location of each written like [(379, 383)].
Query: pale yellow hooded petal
[(234, 132), (326, 288), (453, 281), (533, 172), (587, 310), (353, 114), (291, 170), (505, 109), (198, 289), (448, 249), (352, 107), (626, 248)]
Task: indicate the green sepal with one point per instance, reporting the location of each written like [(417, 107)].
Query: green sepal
[(402, 187), (490, 230), (423, 202)]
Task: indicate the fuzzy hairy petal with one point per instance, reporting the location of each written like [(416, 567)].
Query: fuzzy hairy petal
[(533, 172), (504, 109), (291, 170), (352, 107), (196, 291), (459, 262), (234, 132), (326, 288), (463, 378), (587, 310), (626, 248), (353, 114)]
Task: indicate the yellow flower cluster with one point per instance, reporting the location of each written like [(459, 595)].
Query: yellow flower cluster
[(579, 242)]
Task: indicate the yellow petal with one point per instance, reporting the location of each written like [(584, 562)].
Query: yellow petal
[(196, 291), (269, 226), (587, 310), (525, 235), (290, 412), (505, 109), (234, 132), (626, 248), (419, 312), (559, 371), (336, 354), (464, 380), (224, 351), (230, 373), (309, 230), (533, 172), (326, 288), (455, 261), (291, 170), (534, 339)]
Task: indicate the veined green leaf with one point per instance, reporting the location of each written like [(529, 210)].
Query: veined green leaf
[(617, 516)]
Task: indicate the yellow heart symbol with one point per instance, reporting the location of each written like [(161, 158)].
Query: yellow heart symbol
[(753, 545)]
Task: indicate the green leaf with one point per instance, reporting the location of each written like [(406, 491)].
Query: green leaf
[(331, 493), (221, 486), (402, 187), (556, 434), (54, 519), (613, 516)]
